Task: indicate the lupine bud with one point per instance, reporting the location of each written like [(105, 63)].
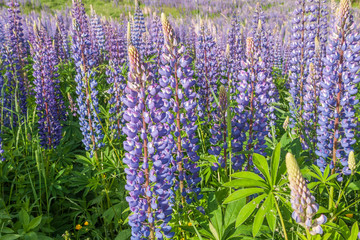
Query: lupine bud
[(223, 98), (352, 162), (302, 202), (286, 123)]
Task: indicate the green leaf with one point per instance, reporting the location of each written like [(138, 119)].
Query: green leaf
[(354, 186), (10, 237), (215, 214), (242, 193), (271, 214), (6, 230), (275, 161), (31, 236), (247, 175), (232, 211), (354, 231), (34, 222), (261, 163), (124, 235), (260, 215), (248, 209), (24, 218), (237, 183), (214, 232)]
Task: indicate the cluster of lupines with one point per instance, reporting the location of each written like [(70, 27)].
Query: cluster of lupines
[(178, 89), (219, 131), (97, 30), (61, 40), (138, 29), (149, 173), (13, 54), (302, 201), (253, 114), (207, 71), (83, 55), (48, 97), (338, 94), (115, 47), (301, 49)]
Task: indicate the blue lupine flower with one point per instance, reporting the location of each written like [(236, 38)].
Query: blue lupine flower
[(88, 105), (338, 95)]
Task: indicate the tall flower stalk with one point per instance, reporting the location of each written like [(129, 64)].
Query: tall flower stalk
[(149, 174), (338, 95), (48, 96), (83, 55), (178, 87)]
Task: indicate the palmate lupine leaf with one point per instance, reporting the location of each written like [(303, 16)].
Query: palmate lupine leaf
[(266, 189)]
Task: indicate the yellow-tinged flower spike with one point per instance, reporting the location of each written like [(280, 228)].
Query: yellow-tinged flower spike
[(223, 99), (317, 46), (134, 56), (352, 162), (343, 10), (78, 227), (286, 123), (250, 46), (302, 202), (168, 30), (259, 26), (227, 50), (86, 223)]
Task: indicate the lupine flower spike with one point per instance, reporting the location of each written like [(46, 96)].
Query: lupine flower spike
[(302, 201)]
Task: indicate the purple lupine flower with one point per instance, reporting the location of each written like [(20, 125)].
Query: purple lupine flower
[(61, 39), (138, 28), (88, 105), (97, 30), (254, 112), (149, 174), (116, 45), (310, 115), (178, 88), (157, 38), (338, 94), (14, 56), (207, 70), (302, 201), (48, 98), (302, 45)]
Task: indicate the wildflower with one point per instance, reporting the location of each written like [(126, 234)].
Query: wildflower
[(302, 202), (86, 223), (189, 224), (78, 227), (352, 162)]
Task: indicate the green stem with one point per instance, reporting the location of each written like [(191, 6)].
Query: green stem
[(308, 235), (281, 220), (342, 191), (331, 197)]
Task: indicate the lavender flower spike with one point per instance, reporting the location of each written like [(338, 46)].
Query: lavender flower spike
[(302, 202)]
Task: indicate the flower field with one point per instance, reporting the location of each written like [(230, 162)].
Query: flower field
[(184, 120)]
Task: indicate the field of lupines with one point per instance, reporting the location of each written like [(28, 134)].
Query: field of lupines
[(234, 120)]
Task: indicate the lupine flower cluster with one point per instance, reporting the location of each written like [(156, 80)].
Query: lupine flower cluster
[(83, 55), (255, 93), (338, 94), (115, 47), (13, 55), (302, 201), (207, 70), (48, 97), (178, 88), (149, 173)]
